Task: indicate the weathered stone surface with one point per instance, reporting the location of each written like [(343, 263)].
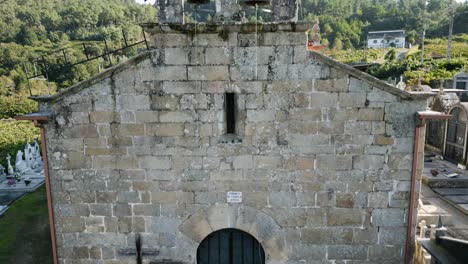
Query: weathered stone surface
[(321, 153)]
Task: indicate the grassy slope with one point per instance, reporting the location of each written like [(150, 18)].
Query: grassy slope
[(439, 46), (24, 230)]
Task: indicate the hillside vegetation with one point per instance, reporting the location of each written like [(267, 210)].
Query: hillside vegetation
[(32, 28)]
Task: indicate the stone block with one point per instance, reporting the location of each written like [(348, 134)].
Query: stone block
[(394, 253), (106, 197), (388, 217), (100, 209), (383, 140), (128, 197), (81, 131), (122, 209), (175, 87), (345, 200), (345, 217), (160, 102), (243, 162), (218, 56), (284, 39), (146, 209), (260, 115), (392, 235), (305, 114), (70, 224), (365, 236), (318, 100), (147, 116), (305, 199), (365, 162), (348, 252), (307, 252), (208, 73), (358, 128), (370, 114), (282, 199), (155, 162), (177, 116), (127, 129), (302, 100), (114, 162), (356, 85), (165, 130), (327, 236), (267, 162), (378, 199), (134, 102), (378, 95), (326, 162), (352, 99), (170, 73), (209, 40), (175, 56), (305, 140), (104, 117), (331, 85), (196, 55)]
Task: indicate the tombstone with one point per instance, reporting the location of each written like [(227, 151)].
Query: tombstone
[(20, 163), (11, 171), (28, 154), (401, 85), (2, 174), (37, 164), (37, 152)]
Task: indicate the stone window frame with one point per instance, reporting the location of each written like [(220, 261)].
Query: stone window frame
[(240, 116)]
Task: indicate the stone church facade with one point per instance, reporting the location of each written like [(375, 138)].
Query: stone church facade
[(320, 152)]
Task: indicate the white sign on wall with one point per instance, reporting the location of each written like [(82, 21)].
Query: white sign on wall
[(234, 197)]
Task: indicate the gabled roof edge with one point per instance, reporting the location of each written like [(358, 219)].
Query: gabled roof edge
[(375, 82), (93, 80)]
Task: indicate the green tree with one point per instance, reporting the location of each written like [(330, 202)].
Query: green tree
[(26, 36)]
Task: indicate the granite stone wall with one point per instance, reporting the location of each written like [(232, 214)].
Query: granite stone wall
[(321, 155)]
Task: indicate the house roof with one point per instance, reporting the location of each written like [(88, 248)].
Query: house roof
[(386, 34)]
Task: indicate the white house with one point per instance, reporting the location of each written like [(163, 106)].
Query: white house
[(384, 39)]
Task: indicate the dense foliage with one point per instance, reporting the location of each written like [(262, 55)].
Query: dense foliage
[(12, 106), (430, 69), (345, 23), (353, 56), (13, 136), (30, 28)]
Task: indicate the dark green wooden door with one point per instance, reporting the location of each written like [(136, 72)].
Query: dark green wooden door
[(230, 246)]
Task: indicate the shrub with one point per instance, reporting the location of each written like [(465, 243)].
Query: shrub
[(16, 105), (13, 137)]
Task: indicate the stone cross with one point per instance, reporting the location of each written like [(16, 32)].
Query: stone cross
[(20, 164), (11, 171)]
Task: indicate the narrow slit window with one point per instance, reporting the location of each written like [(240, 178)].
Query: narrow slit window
[(230, 100)]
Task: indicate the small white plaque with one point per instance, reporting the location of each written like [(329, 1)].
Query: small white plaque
[(234, 197)]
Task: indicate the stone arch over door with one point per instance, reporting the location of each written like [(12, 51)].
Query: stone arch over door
[(245, 218)]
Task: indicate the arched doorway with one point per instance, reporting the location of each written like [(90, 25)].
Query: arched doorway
[(456, 135), (230, 246)]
